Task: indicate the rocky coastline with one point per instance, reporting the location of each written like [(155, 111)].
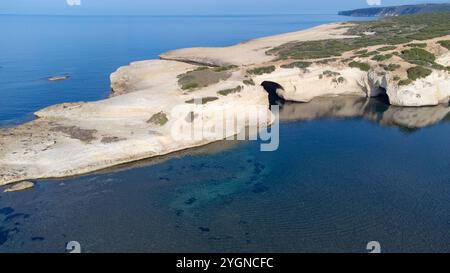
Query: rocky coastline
[(149, 97)]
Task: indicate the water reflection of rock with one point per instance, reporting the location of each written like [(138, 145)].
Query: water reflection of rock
[(375, 110)]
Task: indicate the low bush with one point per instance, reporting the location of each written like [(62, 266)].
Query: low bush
[(361, 66), (297, 65), (226, 92), (418, 72), (445, 43), (203, 100), (418, 55), (262, 70), (387, 48), (381, 58)]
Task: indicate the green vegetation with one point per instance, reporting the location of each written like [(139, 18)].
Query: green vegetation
[(158, 119), (421, 45), (201, 77), (313, 49), (329, 73), (390, 67), (398, 10), (368, 54), (398, 29), (418, 72), (361, 66), (388, 31), (381, 58), (421, 57), (262, 70), (297, 65), (418, 55), (396, 78), (405, 82), (339, 80), (363, 51), (326, 61), (249, 82), (445, 43), (224, 68), (189, 86), (226, 92), (387, 48), (203, 100)]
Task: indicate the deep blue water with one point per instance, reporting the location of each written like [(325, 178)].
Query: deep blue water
[(343, 175)]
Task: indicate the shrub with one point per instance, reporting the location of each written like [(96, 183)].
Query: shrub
[(158, 119), (201, 77), (226, 92), (329, 73), (297, 65), (388, 31), (224, 68), (445, 44), (363, 51), (387, 48), (262, 70), (201, 68), (368, 54), (418, 72), (203, 100), (405, 82), (249, 82), (391, 67), (417, 55), (381, 58), (361, 66), (189, 86), (326, 61), (421, 45)]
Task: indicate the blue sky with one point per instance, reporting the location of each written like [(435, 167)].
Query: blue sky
[(186, 7)]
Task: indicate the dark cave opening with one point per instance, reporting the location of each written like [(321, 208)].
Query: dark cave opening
[(271, 88)]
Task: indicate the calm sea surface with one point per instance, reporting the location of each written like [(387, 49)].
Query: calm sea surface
[(348, 170)]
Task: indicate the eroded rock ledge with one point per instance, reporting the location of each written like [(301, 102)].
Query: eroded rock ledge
[(136, 122)]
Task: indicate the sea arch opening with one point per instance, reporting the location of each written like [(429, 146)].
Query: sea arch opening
[(271, 88)]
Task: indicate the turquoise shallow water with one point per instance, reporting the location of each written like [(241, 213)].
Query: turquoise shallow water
[(348, 171)]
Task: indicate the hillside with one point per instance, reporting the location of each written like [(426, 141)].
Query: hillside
[(397, 10)]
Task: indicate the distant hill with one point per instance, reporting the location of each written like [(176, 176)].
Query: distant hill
[(397, 10)]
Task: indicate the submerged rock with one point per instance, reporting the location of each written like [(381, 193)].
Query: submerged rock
[(20, 186)]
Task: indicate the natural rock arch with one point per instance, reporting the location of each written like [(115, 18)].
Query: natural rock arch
[(271, 88)]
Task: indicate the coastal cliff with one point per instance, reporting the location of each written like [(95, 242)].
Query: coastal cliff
[(403, 58)]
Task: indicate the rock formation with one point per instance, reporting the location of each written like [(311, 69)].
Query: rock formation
[(161, 106)]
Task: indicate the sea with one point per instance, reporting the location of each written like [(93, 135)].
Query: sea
[(348, 171)]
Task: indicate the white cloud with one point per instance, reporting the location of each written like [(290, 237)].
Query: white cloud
[(374, 2), (73, 2)]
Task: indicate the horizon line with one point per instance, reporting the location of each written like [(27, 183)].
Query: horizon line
[(166, 15)]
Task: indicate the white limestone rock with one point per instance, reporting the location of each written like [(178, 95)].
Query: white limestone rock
[(432, 90), (21, 186)]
